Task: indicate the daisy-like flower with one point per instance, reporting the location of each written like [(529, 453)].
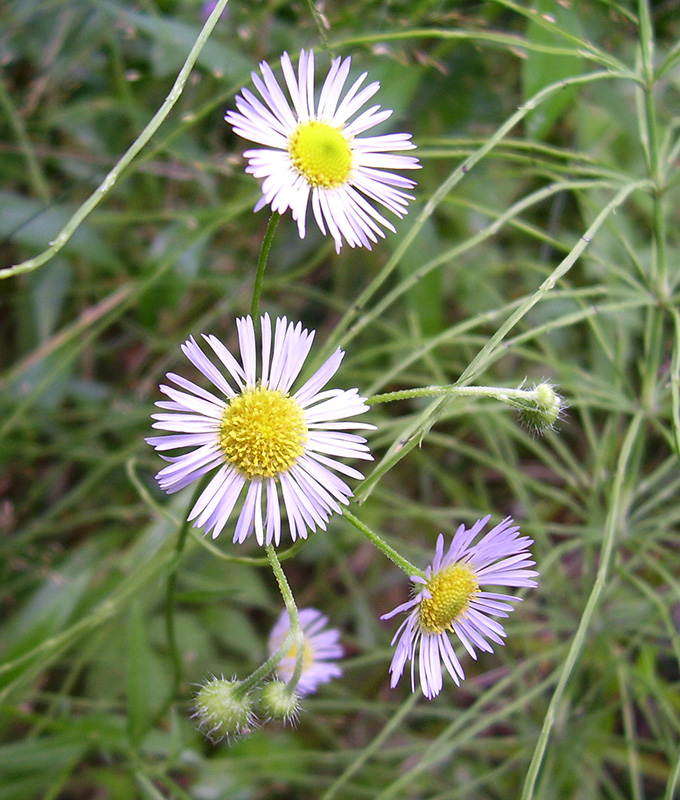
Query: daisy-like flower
[(449, 599), (321, 650), (315, 150), (259, 435)]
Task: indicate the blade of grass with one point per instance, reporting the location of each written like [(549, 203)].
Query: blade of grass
[(140, 142)]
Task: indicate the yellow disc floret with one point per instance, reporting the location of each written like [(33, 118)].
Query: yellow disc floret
[(321, 153), (452, 590), (263, 432), (307, 655)]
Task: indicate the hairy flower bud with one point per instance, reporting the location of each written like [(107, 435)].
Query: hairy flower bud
[(277, 701), (541, 411), (224, 710)]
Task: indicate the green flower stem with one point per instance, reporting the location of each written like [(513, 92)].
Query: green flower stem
[(295, 628), (284, 588), (264, 670), (262, 261), (293, 615), (293, 637), (539, 407), (132, 152), (384, 548), (511, 396)]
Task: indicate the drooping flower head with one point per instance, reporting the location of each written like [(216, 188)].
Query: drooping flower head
[(224, 710), (449, 599), (315, 151), (322, 649), (257, 434)]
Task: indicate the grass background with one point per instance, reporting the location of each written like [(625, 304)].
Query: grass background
[(542, 245)]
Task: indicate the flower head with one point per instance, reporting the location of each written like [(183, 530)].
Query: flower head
[(320, 650), (315, 150), (223, 709), (542, 412), (449, 599), (257, 434), (277, 701)]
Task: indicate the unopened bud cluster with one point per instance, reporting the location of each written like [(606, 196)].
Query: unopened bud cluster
[(226, 710)]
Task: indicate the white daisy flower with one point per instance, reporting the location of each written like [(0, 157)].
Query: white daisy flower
[(450, 600), (260, 435), (315, 150), (321, 649)]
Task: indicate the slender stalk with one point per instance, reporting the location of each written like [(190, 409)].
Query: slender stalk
[(135, 148), (293, 615), (578, 642), (264, 670), (355, 318), (628, 715), (284, 587), (673, 781), (493, 392), (675, 381), (262, 261), (384, 548), (579, 47), (484, 356), (654, 339), (372, 748), (293, 637)]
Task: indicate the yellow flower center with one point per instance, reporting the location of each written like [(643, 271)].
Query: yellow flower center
[(452, 590), (321, 154), (307, 657), (263, 432)]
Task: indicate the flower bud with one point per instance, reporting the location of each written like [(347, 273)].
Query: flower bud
[(224, 710), (277, 701), (541, 412)]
